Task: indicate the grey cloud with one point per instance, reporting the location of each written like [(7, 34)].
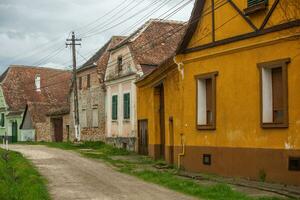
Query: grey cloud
[(26, 25)]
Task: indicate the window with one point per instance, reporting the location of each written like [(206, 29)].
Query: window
[(120, 63), (206, 159), (114, 107), (206, 101), (294, 164), (255, 6), (38, 83), (83, 121), (88, 81), (274, 104), (95, 117), (80, 83), (2, 120), (126, 106), (256, 2)]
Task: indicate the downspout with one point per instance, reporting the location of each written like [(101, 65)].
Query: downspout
[(180, 69)]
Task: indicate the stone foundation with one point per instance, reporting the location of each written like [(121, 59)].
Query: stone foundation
[(127, 143), (92, 134)]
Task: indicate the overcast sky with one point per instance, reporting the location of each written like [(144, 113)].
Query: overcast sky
[(33, 32)]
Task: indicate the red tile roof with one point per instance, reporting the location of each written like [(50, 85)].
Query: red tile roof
[(154, 42), (18, 85), (101, 55)]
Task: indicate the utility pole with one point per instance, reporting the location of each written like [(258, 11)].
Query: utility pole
[(73, 44)]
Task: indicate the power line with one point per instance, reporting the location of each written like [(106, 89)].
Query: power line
[(147, 15), (121, 22), (175, 30), (115, 17), (164, 35), (101, 17), (172, 31)]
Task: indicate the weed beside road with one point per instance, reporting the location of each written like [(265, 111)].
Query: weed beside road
[(19, 180), (144, 168)]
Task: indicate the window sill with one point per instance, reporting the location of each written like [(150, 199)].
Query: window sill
[(206, 127), (114, 121), (256, 8), (126, 120), (273, 125)]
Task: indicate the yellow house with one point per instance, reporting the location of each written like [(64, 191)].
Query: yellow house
[(231, 103), (158, 111)]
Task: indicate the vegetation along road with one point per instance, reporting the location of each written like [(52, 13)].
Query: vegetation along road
[(73, 177), (94, 170)]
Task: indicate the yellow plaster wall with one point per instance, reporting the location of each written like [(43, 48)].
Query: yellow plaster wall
[(229, 23), (148, 106), (238, 95)]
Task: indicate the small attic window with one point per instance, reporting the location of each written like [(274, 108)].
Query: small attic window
[(254, 6), (38, 83), (120, 63)]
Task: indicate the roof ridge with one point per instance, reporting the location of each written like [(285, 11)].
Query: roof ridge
[(36, 67), (132, 37)]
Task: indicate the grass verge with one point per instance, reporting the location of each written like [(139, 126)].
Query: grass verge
[(19, 180), (142, 167)]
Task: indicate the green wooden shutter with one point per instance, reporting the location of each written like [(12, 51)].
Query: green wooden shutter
[(2, 121), (126, 106), (115, 107)]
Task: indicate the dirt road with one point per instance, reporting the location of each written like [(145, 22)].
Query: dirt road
[(71, 176)]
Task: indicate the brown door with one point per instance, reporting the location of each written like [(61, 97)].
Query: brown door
[(162, 121), (171, 132), (58, 129), (143, 137)]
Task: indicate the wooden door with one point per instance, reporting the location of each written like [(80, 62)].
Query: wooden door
[(162, 121), (143, 137), (58, 129), (14, 131), (171, 132)]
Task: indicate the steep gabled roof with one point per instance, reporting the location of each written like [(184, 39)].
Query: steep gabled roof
[(37, 112), (192, 25), (154, 42), (18, 86), (101, 55)]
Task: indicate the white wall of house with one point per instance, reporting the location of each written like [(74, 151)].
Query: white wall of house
[(119, 83), (121, 127)]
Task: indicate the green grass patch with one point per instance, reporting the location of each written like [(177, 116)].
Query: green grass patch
[(142, 167), (19, 180)]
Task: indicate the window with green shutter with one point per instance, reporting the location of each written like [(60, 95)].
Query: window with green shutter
[(2, 120), (126, 104), (256, 2), (114, 107)]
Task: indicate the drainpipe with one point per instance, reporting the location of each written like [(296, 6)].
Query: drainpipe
[(183, 151)]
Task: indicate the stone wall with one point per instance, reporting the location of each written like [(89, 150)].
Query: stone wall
[(91, 102), (128, 143), (43, 132)]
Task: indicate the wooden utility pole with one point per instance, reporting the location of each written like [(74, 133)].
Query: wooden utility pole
[(73, 44)]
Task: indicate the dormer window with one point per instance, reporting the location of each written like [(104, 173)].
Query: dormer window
[(120, 63), (38, 83), (255, 6)]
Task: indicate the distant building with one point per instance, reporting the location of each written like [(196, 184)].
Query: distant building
[(136, 56), (91, 94), (32, 89)]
